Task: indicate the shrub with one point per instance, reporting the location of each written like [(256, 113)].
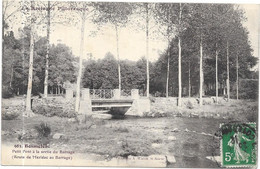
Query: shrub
[(43, 130), (11, 112), (9, 115), (189, 105), (248, 89), (7, 92), (52, 107)]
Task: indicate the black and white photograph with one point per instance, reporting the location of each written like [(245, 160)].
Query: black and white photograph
[(129, 84)]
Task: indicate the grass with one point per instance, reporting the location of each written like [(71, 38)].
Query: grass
[(113, 138)]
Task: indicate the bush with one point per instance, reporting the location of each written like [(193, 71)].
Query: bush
[(53, 107), (248, 89), (189, 105), (7, 92), (9, 115), (43, 130), (11, 112)]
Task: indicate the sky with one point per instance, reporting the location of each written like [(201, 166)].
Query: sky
[(252, 12), (132, 44), (132, 41)]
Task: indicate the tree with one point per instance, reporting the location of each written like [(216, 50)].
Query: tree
[(200, 23), (179, 58), (116, 14), (61, 68), (10, 9), (165, 15), (83, 15), (233, 19), (147, 51), (47, 51), (50, 7), (101, 74), (29, 88)]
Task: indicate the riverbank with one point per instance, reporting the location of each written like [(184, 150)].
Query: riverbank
[(182, 135), (240, 110)]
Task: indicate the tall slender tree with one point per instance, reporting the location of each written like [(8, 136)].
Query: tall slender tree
[(147, 51), (200, 24), (201, 71), (179, 59), (228, 80), (47, 50), (117, 14), (29, 112), (84, 14), (166, 16), (217, 73)]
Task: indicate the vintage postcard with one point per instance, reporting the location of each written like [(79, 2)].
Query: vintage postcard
[(129, 84)]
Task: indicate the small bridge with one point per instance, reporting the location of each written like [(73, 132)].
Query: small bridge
[(110, 100), (97, 103)]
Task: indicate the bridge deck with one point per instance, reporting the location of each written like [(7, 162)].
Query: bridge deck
[(109, 103), (112, 100)]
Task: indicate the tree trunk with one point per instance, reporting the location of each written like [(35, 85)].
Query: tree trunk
[(12, 74), (228, 82), (168, 70), (47, 51), (147, 52), (3, 34), (224, 88), (80, 66), (179, 77), (58, 89), (237, 75), (201, 72), (189, 81), (216, 74), (179, 65), (30, 76), (118, 60)]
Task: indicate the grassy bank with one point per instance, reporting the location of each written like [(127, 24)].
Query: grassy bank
[(180, 134)]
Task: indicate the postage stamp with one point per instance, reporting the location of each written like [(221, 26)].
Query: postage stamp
[(238, 144)]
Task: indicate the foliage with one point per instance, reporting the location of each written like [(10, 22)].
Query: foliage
[(102, 74), (214, 24), (6, 92), (248, 89), (50, 111), (16, 64), (43, 130), (6, 115), (113, 13), (208, 20)]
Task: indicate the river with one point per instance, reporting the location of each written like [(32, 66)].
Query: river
[(189, 140)]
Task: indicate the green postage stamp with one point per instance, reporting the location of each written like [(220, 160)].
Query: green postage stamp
[(238, 144)]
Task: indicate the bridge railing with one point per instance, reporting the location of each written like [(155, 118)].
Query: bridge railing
[(125, 93), (104, 94), (101, 93)]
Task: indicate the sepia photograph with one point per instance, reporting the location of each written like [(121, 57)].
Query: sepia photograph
[(129, 84)]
